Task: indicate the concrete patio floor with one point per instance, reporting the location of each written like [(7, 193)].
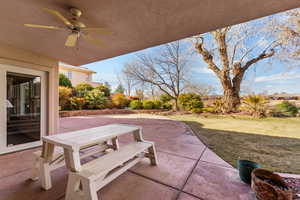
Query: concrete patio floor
[(187, 169)]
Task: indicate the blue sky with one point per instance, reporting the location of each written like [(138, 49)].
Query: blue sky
[(275, 77), (108, 70), (265, 76)]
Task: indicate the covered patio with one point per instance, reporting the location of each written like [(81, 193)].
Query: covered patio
[(187, 169)]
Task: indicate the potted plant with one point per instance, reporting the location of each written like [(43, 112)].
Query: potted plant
[(245, 168)]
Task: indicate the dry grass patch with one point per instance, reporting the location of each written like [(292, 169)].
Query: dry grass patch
[(272, 142)]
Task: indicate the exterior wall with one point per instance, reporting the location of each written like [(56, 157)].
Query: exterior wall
[(13, 56), (77, 77), (80, 75)]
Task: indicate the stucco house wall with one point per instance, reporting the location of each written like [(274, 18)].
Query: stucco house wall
[(77, 75)]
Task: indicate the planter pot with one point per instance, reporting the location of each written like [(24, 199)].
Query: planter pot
[(245, 168), (269, 186)]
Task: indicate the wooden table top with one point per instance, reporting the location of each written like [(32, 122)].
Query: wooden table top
[(75, 140)]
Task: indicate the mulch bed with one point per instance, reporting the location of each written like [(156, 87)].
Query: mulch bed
[(72, 113), (294, 184)]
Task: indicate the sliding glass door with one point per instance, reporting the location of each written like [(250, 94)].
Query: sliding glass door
[(24, 112)]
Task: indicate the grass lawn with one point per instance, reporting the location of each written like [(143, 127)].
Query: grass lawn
[(272, 142)]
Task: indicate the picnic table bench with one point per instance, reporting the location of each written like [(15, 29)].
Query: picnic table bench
[(86, 179)]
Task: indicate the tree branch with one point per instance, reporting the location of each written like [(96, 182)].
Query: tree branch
[(164, 70), (262, 56), (220, 37), (207, 57)]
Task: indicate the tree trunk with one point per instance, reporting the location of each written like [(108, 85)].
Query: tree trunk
[(231, 99), (176, 108)]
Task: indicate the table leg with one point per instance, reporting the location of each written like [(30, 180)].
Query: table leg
[(35, 172), (153, 155), (47, 151), (138, 135), (47, 156), (72, 159), (115, 143)]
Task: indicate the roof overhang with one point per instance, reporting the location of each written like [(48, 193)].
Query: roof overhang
[(75, 68), (136, 24)]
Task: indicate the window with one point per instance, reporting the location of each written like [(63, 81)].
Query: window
[(69, 75)]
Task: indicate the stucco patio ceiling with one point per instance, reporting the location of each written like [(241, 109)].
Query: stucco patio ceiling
[(136, 24)]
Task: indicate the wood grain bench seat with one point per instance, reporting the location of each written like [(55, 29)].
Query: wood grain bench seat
[(97, 173), (43, 172)]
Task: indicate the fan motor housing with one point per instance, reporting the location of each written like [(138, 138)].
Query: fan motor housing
[(75, 12)]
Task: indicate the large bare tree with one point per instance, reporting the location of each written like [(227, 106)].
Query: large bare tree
[(290, 36), (229, 52), (165, 68), (194, 86), (127, 81)]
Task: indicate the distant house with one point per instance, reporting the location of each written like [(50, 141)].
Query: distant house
[(78, 75)]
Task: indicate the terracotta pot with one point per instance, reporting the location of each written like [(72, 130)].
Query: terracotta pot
[(269, 186)]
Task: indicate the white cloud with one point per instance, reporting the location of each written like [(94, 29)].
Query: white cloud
[(279, 76), (203, 70)]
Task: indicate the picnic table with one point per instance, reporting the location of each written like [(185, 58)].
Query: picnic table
[(73, 142)]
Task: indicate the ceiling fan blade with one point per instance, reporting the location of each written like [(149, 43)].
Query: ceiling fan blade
[(58, 15), (71, 40), (97, 30), (91, 39), (42, 26)]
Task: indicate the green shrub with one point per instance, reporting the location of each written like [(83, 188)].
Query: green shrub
[(208, 110), (218, 106), (255, 105), (82, 89), (191, 101), (167, 106), (148, 104), (96, 99), (64, 81), (109, 103), (119, 100), (157, 104), (105, 89), (136, 104), (164, 98), (64, 97), (197, 110), (78, 103), (286, 109)]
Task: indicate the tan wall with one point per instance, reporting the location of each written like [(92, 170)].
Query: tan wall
[(22, 58), (77, 77)]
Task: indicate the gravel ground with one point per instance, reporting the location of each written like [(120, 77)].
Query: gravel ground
[(295, 185)]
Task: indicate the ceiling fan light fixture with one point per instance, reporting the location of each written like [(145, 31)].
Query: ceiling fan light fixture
[(72, 39), (77, 28)]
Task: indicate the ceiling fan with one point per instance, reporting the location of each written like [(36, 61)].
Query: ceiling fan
[(77, 28)]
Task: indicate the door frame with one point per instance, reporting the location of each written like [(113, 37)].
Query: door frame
[(4, 68)]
